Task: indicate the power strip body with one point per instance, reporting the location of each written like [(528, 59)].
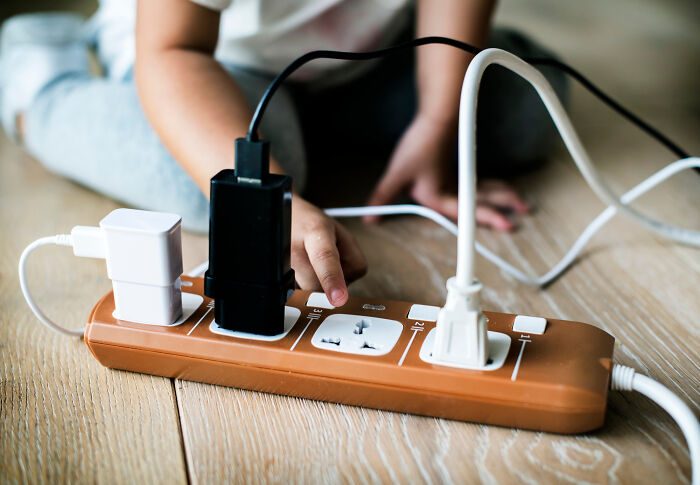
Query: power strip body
[(556, 382)]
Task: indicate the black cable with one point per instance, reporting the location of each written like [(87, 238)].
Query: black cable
[(347, 56), (544, 61), (614, 105)]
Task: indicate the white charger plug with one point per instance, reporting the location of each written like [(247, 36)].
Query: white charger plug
[(143, 251)]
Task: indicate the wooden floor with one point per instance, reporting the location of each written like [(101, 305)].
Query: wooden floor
[(66, 419)]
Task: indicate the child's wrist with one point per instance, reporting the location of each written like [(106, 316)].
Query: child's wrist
[(438, 119), (442, 128)]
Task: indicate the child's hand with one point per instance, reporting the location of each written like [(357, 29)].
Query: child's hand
[(324, 253), (421, 164)]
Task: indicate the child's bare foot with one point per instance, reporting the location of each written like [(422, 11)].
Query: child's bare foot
[(36, 49)]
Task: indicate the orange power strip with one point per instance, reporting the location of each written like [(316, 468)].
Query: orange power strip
[(375, 353)]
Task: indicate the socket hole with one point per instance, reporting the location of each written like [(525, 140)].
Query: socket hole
[(369, 345), (361, 326), (331, 340)]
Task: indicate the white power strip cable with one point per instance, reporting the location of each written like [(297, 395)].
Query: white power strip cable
[(626, 379), (467, 156), (561, 120)]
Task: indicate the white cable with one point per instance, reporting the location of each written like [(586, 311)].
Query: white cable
[(468, 103), (626, 379), (593, 227), (61, 240), (555, 271)]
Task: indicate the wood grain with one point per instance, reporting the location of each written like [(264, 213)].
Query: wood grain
[(63, 418)]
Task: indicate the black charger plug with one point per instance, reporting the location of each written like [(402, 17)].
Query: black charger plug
[(250, 277)]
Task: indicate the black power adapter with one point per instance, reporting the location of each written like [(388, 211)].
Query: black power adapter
[(250, 277)]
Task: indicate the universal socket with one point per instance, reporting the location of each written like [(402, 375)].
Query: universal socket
[(357, 334)]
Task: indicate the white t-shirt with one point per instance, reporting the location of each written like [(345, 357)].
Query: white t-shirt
[(266, 35)]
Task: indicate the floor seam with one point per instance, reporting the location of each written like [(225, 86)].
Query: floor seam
[(183, 445)]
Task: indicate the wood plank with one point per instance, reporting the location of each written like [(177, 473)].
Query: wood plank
[(63, 417)]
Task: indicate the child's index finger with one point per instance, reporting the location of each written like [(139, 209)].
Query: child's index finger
[(325, 260)]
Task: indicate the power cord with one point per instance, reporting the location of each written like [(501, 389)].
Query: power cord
[(60, 240), (627, 379), (467, 140), (541, 61), (467, 144), (557, 269)]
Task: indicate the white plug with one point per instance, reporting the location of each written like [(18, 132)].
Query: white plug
[(143, 250), (460, 333)]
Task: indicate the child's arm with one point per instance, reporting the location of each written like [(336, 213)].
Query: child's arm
[(198, 111), (421, 162)]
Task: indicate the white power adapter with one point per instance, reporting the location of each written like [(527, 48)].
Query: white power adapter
[(143, 251), (144, 261)]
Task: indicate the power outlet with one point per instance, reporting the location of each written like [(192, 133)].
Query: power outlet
[(497, 347), (357, 334)]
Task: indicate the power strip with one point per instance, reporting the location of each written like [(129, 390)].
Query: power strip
[(548, 375)]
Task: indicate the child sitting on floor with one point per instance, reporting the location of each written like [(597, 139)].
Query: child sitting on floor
[(182, 76)]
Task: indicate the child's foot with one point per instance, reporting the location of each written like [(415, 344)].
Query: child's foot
[(35, 50)]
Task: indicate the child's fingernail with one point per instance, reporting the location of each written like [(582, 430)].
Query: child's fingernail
[(337, 296)]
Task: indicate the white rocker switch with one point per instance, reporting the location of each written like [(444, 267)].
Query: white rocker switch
[(426, 313), (531, 325), (319, 300)]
